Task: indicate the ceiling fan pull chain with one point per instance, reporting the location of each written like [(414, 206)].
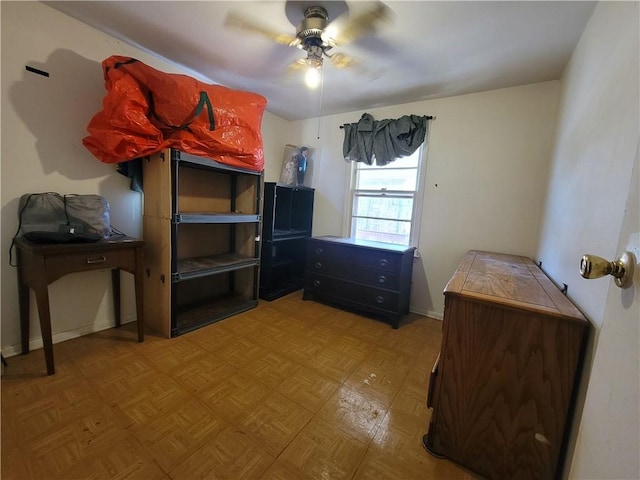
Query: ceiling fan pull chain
[(321, 91)]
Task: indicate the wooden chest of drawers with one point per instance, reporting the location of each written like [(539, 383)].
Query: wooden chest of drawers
[(366, 276), (502, 388)]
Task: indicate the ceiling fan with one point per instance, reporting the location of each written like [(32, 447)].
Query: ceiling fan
[(317, 34)]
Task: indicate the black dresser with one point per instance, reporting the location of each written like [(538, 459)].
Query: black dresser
[(361, 275)]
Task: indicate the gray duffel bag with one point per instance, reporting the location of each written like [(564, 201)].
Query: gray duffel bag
[(51, 217)]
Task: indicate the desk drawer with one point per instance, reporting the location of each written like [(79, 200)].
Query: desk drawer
[(77, 262)]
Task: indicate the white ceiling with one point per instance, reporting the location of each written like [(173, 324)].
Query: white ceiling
[(429, 49)]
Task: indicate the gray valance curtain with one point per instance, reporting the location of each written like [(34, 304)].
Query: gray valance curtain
[(383, 141)]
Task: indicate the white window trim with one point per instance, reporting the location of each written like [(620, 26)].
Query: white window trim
[(414, 238), (419, 200)]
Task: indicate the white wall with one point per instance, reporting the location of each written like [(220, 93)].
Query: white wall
[(43, 123), (592, 207), (275, 135), (487, 170)]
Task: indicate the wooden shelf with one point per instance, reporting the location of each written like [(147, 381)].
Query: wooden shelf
[(197, 315), (202, 266), (215, 217), (195, 161)]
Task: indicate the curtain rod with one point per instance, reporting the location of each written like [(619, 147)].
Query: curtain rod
[(429, 117)]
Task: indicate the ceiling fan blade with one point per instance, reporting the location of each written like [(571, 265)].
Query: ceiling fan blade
[(344, 30), (347, 62), (235, 20), (340, 60), (298, 65)]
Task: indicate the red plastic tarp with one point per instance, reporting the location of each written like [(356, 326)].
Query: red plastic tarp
[(146, 110)]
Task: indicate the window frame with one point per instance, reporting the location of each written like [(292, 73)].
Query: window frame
[(418, 197)]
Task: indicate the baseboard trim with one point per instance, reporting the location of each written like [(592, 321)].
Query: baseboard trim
[(36, 343), (427, 313)]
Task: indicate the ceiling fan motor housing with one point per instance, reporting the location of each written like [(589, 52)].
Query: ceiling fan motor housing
[(310, 29)]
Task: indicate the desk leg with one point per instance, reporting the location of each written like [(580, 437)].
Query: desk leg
[(42, 299), (115, 284), (139, 279), (23, 303)]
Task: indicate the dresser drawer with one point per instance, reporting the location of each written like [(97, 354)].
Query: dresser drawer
[(433, 378), (383, 260), (352, 293), (355, 273)]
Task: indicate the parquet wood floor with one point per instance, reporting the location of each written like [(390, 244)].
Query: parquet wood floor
[(290, 390)]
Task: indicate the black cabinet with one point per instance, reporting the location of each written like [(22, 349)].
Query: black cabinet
[(287, 219), (202, 228), (362, 275)]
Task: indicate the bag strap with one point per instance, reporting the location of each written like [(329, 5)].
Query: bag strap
[(120, 64), (66, 213), (204, 100), (13, 240)]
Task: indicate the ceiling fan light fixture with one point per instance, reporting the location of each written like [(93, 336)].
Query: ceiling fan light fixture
[(313, 76)]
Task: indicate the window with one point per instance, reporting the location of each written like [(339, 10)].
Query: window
[(386, 201)]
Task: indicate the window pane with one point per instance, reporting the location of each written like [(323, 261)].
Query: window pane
[(389, 179), (383, 199), (388, 231), (387, 207), (403, 162)]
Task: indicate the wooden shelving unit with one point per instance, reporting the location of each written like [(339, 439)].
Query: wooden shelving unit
[(202, 223)]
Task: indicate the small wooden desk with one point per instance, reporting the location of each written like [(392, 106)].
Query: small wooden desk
[(40, 264)]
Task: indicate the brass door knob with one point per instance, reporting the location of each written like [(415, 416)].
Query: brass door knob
[(592, 266)]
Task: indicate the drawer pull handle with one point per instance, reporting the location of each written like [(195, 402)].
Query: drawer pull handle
[(318, 265), (319, 251), (384, 262), (379, 299), (316, 283), (382, 279), (100, 259)]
